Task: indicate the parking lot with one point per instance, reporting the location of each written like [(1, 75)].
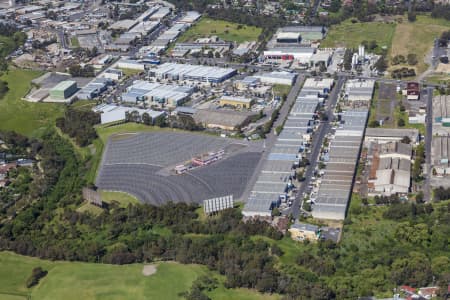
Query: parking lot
[(142, 165)]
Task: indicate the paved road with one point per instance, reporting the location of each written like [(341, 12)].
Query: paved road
[(318, 138), (271, 138), (428, 140)]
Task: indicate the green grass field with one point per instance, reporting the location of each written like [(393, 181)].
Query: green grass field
[(281, 89), (351, 35), (22, 116), (74, 280), (227, 31), (123, 198), (74, 42)]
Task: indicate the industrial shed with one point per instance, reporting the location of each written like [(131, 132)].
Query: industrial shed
[(63, 90)]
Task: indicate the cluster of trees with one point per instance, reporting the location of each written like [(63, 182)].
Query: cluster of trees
[(78, 124), (145, 118), (411, 59), (441, 11), (185, 122), (444, 38), (199, 286), (79, 71), (419, 159), (442, 193), (392, 199), (403, 72), (50, 227), (3, 88), (37, 274), (36, 44), (381, 64)]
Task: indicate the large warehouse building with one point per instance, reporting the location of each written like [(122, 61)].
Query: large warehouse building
[(275, 181), (176, 71), (336, 184), (111, 113), (162, 94), (63, 90)]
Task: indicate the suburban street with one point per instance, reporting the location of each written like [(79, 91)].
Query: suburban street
[(428, 143), (318, 138), (271, 137)]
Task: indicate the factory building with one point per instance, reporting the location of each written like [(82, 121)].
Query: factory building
[(385, 135), (162, 94), (412, 91), (130, 64), (95, 88), (440, 155), (275, 183), (113, 74), (335, 189), (305, 34), (301, 54), (276, 77), (174, 71), (390, 168), (359, 92), (441, 110), (289, 37), (237, 102), (112, 113), (63, 90)]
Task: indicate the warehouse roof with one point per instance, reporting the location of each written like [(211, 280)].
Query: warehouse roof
[(63, 85), (288, 35)]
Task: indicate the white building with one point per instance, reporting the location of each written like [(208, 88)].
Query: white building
[(113, 74), (285, 78), (112, 113)]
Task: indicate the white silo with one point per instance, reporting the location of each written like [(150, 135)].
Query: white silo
[(361, 52), (355, 59)]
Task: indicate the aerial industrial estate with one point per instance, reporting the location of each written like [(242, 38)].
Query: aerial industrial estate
[(274, 150)]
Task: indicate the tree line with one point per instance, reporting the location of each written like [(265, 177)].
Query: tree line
[(79, 124)]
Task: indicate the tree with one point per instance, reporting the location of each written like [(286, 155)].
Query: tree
[(401, 122), (381, 65), (146, 119), (36, 275), (374, 124), (412, 59), (412, 16), (405, 140), (419, 197), (217, 54), (160, 121)]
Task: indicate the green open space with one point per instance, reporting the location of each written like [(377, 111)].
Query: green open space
[(124, 199), (22, 116), (417, 38), (74, 42), (281, 89), (350, 35), (75, 280), (225, 30), (130, 72)]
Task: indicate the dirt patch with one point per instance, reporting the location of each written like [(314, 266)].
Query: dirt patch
[(149, 270), (443, 68)]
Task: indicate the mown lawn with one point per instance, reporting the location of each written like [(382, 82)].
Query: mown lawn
[(75, 280), (74, 42), (350, 35), (123, 198), (21, 116), (227, 31)]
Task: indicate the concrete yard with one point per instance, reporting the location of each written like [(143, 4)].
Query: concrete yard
[(142, 165)]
